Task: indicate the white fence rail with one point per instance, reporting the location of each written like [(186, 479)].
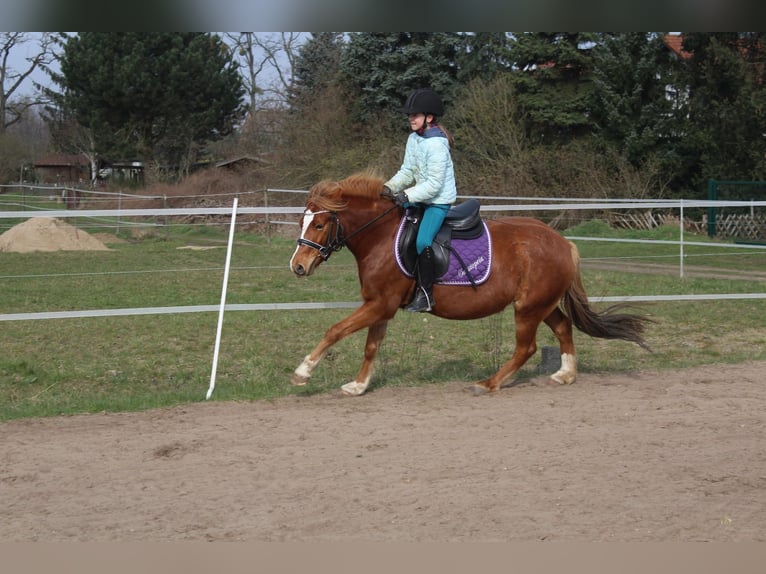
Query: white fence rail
[(121, 214), (517, 205)]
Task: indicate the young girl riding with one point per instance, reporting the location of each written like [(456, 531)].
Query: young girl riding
[(427, 178)]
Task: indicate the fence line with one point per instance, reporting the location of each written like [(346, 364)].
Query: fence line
[(566, 204), (116, 194), (331, 305), (619, 204)]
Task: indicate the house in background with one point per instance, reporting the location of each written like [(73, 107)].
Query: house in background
[(128, 172), (674, 42), (75, 170), (241, 163), (62, 169)]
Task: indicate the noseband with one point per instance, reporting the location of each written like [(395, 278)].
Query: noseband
[(336, 239)]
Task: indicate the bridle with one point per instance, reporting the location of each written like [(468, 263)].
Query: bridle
[(336, 238)]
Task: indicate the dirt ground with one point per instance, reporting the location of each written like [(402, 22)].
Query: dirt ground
[(650, 456)]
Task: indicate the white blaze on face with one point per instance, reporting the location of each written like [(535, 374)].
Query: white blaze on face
[(308, 216)]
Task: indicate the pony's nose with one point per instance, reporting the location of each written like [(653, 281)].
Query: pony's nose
[(299, 270)]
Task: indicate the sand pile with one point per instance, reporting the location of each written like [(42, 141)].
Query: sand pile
[(48, 234)]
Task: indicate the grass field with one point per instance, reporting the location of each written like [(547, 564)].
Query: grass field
[(50, 367)]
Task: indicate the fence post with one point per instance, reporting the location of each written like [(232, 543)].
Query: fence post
[(712, 195), (681, 240), (268, 219), (222, 306), (119, 207)]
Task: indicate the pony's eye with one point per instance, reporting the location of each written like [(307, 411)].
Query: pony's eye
[(319, 226)]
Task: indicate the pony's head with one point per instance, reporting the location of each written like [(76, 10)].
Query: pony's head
[(321, 229)]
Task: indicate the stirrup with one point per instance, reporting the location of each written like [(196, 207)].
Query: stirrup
[(421, 303)]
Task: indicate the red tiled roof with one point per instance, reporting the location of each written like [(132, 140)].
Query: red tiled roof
[(675, 43)]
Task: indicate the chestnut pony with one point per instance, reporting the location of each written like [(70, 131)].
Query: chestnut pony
[(534, 269)]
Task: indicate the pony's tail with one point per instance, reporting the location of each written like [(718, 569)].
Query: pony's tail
[(608, 324)]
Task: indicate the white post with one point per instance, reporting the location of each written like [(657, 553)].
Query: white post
[(682, 238), (223, 298)]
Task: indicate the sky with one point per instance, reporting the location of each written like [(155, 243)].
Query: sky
[(17, 61)]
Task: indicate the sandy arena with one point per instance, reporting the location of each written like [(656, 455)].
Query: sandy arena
[(651, 456)]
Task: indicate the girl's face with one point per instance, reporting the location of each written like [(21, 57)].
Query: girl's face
[(417, 121)]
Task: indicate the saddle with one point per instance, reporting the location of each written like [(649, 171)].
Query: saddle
[(462, 236)]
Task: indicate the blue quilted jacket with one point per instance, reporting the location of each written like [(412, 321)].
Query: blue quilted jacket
[(426, 174)]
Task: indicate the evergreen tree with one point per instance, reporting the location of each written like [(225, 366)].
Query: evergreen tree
[(382, 68), (150, 95), (630, 109), (725, 119), (553, 83), (317, 67), (483, 55)]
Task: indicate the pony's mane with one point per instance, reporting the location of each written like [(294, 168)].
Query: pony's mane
[(334, 195)]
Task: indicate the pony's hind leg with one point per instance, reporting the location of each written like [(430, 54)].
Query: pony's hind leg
[(561, 325), (526, 345)]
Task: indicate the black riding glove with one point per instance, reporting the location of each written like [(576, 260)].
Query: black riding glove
[(401, 199)]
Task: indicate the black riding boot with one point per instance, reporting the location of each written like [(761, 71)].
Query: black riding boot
[(424, 299)]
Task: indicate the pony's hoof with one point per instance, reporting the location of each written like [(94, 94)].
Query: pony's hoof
[(478, 390), (298, 381), (559, 378), (354, 389)]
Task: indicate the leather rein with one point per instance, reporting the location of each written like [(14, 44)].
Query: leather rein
[(336, 239)]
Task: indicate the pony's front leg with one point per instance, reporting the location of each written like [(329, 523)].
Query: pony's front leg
[(368, 315), (302, 374), (375, 335)]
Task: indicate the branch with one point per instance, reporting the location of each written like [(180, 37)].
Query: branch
[(10, 41)]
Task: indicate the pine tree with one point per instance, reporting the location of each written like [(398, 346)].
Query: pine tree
[(630, 109), (317, 67), (553, 83), (150, 95), (725, 120), (483, 55), (384, 67)]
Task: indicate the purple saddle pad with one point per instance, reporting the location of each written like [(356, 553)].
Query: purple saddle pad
[(472, 260)]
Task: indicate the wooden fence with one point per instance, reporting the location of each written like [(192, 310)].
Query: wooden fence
[(749, 227)]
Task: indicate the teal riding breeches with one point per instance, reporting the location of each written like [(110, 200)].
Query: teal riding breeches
[(433, 217)]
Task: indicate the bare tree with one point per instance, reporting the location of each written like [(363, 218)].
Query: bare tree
[(12, 108), (252, 64), (267, 65), (282, 51)]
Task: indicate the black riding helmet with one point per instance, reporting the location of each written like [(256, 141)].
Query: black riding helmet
[(423, 101)]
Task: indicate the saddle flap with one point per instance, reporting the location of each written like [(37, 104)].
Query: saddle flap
[(464, 216)]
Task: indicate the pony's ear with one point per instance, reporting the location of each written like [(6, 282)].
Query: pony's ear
[(327, 189), (387, 193), (334, 190)]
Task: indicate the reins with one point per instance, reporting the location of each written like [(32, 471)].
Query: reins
[(338, 241)]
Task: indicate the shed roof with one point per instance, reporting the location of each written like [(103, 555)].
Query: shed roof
[(62, 160)]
